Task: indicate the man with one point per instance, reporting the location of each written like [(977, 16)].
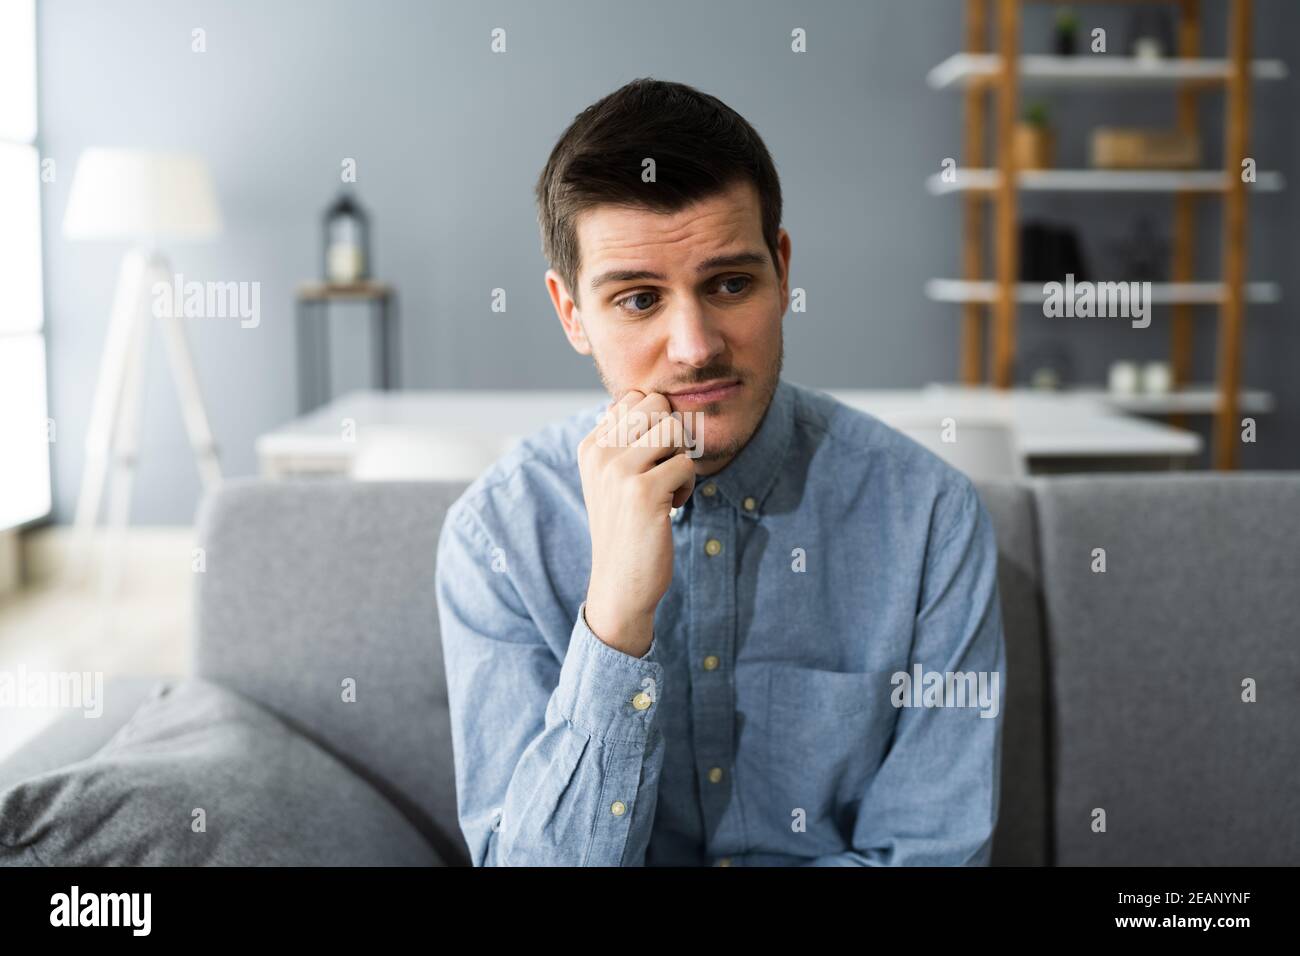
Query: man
[(695, 639)]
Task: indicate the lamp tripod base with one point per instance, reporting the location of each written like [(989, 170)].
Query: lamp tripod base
[(113, 436)]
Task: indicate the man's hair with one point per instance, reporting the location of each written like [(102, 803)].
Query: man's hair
[(700, 147)]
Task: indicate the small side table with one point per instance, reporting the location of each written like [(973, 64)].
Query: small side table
[(312, 313)]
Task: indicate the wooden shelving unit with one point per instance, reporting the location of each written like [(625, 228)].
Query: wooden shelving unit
[(1162, 293), (1102, 181), (1039, 72), (990, 79), (1189, 400)]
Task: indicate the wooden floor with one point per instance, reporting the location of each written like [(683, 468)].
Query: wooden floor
[(54, 626)]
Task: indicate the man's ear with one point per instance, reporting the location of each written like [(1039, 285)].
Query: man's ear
[(783, 248), (567, 310)]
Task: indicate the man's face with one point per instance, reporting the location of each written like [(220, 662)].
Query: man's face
[(671, 302)]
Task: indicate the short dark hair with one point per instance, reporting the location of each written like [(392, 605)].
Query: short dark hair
[(700, 147)]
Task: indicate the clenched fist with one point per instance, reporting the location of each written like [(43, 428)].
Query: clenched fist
[(635, 468)]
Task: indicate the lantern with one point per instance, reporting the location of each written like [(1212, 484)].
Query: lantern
[(346, 242)]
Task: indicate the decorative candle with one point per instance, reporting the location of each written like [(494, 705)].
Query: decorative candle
[(1124, 378)]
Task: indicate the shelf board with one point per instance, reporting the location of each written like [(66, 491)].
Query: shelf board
[(1191, 400), (1102, 181), (364, 289), (1162, 293), (1089, 69)]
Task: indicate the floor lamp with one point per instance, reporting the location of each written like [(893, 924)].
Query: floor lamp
[(147, 198)]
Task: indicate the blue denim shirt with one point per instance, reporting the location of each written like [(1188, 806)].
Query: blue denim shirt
[(768, 724)]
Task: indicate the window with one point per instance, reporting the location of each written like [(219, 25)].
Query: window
[(25, 431)]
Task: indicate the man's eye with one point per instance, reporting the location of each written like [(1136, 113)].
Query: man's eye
[(635, 297), (638, 303)]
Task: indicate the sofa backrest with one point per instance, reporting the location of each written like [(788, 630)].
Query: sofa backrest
[(1123, 687), (309, 585), (1200, 593)]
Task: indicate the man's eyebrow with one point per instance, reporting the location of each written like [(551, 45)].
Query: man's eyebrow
[(708, 265)]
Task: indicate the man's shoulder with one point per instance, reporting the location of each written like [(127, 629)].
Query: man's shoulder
[(542, 467), (884, 469), (858, 437)]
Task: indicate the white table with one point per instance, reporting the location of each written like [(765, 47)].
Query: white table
[(1052, 428), (1047, 424)]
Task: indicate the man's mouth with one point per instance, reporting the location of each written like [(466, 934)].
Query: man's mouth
[(706, 392)]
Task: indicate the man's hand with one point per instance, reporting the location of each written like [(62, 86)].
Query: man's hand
[(634, 469)]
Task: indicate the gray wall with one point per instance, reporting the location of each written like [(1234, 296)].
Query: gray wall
[(449, 139)]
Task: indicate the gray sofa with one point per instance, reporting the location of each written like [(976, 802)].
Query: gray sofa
[(1124, 688)]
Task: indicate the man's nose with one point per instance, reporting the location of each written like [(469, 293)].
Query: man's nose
[(693, 339)]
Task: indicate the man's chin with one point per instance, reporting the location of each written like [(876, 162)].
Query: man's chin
[(719, 442)]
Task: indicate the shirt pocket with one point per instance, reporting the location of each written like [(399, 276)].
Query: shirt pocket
[(826, 733)]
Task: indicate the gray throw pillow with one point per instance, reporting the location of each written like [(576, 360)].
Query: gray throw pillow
[(201, 776)]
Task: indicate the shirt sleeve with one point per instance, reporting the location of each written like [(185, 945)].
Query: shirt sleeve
[(557, 762), (934, 799)]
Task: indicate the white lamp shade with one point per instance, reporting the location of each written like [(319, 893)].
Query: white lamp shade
[(137, 194)]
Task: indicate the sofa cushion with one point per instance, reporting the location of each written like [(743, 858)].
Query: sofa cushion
[(1148, 660), (201, 776)]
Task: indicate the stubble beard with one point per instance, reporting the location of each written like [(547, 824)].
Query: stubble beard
[(767, 383)]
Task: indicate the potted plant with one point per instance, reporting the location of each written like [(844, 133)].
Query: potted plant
[(1035, 142), (1067, 31)]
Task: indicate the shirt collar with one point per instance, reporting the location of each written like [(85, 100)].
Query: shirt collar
[(751, 475)]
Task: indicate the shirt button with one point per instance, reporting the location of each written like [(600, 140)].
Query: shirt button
[(715, 774), (710, 663), (725, 861), (750, 504), (709, 490), (712, 547), (618, 808), (641, 701)]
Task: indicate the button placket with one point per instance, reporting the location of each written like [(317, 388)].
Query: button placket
[(713, 636)]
